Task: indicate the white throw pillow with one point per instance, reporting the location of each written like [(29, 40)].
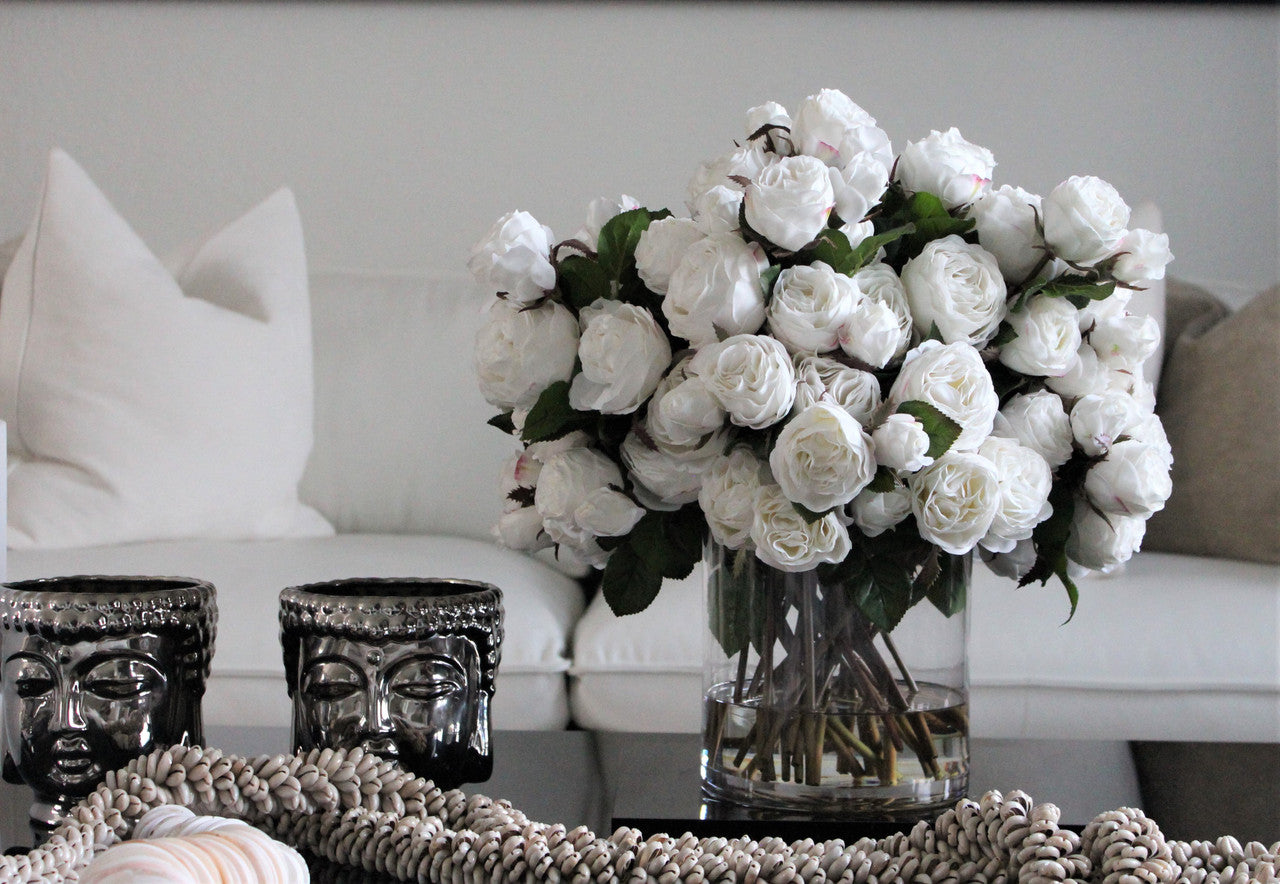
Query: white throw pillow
[(145, 404)]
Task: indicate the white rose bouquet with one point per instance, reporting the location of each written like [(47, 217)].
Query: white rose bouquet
[(845, 360)]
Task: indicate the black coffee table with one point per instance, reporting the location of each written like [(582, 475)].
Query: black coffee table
[(651, 781)]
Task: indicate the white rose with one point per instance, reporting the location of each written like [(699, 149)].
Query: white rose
[(859, 186), (1087, 375), (770, 114), (1125, 341), (786, 541), (1048, 338), (599, 213), (875, 513), (957, 287), (953, 379), (1103, 543), (660, 248), (902, 444), (955, 500), (789, 202), (515, 258), (520, 352), (521, 529), (751, 376), (624, 353), (870, 335), (716, 289), (1040, 422), (544, 451), (578, 498), (822, 458), (810, 304), (1099, 419), (717, 210), (1151, 431), (1084, 219), (1013, 564), (665, 477), (831, 127), (944, 164), (1025, 481), (1123, 380), (743, 162), (823, 379), (728, 495), (1005, 219), (1143, 256), (1097, 312), (682, 410), (1133, 480)]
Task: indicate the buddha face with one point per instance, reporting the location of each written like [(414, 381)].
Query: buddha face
[(73, 711), (419, 702)]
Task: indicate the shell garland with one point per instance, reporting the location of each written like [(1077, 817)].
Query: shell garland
[(361, 811)]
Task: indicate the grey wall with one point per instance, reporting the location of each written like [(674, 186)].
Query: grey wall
[(406, 129)]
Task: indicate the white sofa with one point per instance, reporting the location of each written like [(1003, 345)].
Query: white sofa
[(403, 465)]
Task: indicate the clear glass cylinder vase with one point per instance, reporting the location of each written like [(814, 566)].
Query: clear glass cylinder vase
[(809, 707)]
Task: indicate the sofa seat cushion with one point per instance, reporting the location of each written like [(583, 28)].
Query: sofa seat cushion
[(247, 680), (1144, 657)]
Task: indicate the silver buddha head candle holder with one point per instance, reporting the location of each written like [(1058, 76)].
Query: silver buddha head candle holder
[(403, 668), (95, 671)]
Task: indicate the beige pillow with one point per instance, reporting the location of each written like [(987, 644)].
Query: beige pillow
[(1220, 404), (150, 404)]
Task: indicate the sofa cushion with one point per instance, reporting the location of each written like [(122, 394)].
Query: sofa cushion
[(1142, 659), (145, 404), (1221, 410), (401, 441), (247, 682)]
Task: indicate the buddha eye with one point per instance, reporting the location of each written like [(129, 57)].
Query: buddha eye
[(425, 692), (33, 686), (122, 678), (30, 678), (424, 679), (331, 679)]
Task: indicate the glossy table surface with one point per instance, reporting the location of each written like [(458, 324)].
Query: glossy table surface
[(603, 780)]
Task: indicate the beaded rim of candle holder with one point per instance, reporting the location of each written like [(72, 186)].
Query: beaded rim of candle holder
[(87, 607), (361, 811), (381, 609)]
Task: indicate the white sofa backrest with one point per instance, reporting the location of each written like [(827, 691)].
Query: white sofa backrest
[(401, 441)]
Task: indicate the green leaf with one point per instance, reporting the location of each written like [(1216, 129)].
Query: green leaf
[(832, 248), (733, 605), (884, 481), (630, 581), (671, 541), (618, 239), (924, 205), (1050, 539), (768, 278), (1005, 335), (1079, 290), (503, 422), (949, 590), (885, 598), (809, 515), (552, 416), (582, 281), (942, 430), (865, 252)]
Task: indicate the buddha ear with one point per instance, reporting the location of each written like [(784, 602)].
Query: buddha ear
[(10, 771)]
